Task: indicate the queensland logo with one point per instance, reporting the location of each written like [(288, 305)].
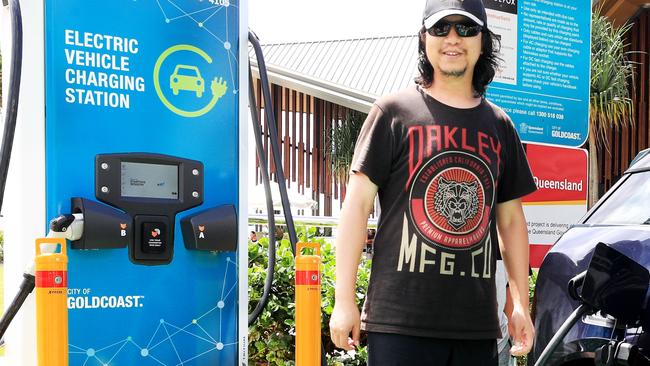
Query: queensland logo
[(450, 200), (523, 128)]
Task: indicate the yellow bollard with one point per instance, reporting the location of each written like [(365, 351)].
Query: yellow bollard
[(51, 302), (308, 311)]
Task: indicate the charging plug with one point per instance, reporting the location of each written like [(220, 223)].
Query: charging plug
[(68, 226)]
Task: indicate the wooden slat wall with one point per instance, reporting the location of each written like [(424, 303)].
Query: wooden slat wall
[(626, 142), (303, 123)]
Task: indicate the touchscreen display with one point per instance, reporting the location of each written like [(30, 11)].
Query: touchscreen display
[(144, 180)]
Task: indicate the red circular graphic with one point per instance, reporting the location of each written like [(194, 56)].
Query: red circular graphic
[(451, 198), (460, 210)]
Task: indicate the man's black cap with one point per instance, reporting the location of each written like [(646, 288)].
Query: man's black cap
[(438, 9)]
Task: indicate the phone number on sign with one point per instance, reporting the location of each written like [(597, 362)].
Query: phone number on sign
[(558, 116)]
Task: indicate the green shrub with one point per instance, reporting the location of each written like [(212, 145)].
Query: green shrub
[(271, 338)]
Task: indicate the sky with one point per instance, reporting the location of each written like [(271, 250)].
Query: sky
[(313, 20)]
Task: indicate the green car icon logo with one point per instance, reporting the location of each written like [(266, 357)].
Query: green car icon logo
[(187, 77)]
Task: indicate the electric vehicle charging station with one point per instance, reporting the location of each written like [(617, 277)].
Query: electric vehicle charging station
[(144, 136)]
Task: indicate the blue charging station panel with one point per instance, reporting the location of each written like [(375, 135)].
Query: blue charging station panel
[(153, 77)]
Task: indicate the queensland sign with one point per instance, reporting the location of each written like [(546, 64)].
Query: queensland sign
[(561, 197)]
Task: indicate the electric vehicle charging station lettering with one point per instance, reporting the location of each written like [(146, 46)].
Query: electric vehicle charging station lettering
[(108, 59), (101, 42)]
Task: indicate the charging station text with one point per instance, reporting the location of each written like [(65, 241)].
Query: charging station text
[(99, 72), (105, 302)]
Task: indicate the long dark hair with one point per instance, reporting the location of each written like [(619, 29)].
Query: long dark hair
[(484, 70)]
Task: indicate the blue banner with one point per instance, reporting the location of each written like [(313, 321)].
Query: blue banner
[(543, 82), (153, 77)]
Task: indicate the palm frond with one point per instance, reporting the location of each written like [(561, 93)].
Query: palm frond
[(341, 142), (611, 73)]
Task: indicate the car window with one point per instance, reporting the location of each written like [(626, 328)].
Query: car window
[(628, 204), (186, 72)]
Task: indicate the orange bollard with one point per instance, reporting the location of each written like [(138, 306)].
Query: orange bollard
[(308, 307), (51, 302)]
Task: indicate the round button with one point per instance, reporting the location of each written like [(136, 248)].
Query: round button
[(104, 189), (195, 172), (105, 166), (195, 194)]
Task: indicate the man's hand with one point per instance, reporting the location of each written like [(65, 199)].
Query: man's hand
[(351, 238), (345, 320), (522, 331), (514, 250)]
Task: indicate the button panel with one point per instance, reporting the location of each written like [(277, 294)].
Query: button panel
[(154, 236), (154, 239)]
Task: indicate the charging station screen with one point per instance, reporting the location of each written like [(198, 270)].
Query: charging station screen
[(144, 180)]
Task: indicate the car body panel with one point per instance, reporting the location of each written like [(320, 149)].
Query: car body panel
[(570, 256)]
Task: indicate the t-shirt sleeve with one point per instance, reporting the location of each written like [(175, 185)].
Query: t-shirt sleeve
[(373, 151), (516, 179)]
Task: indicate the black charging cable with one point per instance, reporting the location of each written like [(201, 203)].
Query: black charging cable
[(273, 134), (13, 94), (261, 155), (26, 288), (15, 70)]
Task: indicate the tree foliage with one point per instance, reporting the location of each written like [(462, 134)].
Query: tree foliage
[(610, 106), (341, 141), (611, 73)]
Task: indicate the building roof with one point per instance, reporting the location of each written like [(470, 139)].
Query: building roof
[(355, 72), (349, 72)]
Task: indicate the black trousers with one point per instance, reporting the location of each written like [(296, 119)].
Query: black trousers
[(386, 349)]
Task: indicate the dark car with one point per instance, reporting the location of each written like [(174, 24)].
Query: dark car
[(621, 220)]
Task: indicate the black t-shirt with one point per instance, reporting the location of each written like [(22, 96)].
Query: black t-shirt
[(440, 172)]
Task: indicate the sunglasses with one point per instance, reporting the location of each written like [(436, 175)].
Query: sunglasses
[(442, 29)]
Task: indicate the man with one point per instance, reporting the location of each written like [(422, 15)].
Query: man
[(448, 168), (503, 305)]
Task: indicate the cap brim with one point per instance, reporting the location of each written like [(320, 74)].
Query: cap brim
[(434, 18)]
